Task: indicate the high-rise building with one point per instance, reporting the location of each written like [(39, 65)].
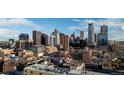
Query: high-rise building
[(91, 34), (57, 37), (44, 39), (102, 37), (95, 39), (66, 45), (36, 38), (24, 36), (104, 29), (83, 43), (52, 40), (23, 41), (81, 35), (64, 41), (73, 37)]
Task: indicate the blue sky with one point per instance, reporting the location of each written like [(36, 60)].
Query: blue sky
[(12, 27)]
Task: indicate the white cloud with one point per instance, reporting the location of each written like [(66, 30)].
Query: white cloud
[(18, 22), (6, 34), (116, 26), (76, 20), (7, 24), (75, 28)]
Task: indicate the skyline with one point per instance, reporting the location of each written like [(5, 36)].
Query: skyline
[(12, 27)]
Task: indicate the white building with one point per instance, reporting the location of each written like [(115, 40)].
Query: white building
[(52, 40), (57, 37), (91, 35)]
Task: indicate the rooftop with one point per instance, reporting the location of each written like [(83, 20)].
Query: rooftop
[(43, 68), (75, 72)]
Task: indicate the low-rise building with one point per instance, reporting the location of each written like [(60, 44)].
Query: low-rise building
[(87, 55), (39, 69), (38, 50), (51, 49), (75, 72)]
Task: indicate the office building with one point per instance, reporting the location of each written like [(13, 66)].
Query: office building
[(66, 45), (81, 35), (23, 41), (73, 38), (102, 37), (62, 37), (83, 43), (57, 37), (24, 36), (95, 39), (52, 40), (91, 39), (64, 41), (36, 38), (44, 39), (74, 35)]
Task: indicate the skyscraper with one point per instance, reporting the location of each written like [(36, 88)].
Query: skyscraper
[(66, 44), (91, 40), (95, 39), (57, 37), (81, 35), (44, 39), (62, 39), (36, 38), (103, 35), (104, 29), (52, 40)]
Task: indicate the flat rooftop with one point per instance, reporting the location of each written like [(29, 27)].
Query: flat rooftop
[(42, 68)]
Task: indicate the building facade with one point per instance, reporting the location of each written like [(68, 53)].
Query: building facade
[(52, 40), (91, 34), (57, 37), (87, 55), (44, 39), (64, 41), (102, 37), (23, 41), (81, 35), (36, 38)]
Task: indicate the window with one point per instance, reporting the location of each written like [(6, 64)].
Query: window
[(31, 72), (40, 73)]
